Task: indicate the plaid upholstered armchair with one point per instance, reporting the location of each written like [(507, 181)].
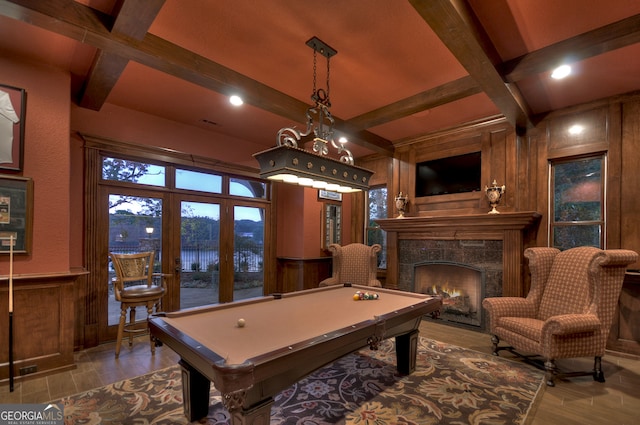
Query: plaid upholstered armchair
[(569, 310), (355, 263)]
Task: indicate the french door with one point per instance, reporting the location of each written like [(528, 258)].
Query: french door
[(207, 229), (135, 222), (211, 252), (218, 252)]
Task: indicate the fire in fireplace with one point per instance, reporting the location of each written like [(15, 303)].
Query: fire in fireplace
[(459, 285)]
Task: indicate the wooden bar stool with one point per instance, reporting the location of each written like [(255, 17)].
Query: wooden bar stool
[(136, 268)]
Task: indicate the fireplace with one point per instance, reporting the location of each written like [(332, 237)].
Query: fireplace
[(490, 245), (459, 285)]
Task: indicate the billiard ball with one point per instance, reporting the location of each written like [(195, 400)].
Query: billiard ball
[(241, 323)]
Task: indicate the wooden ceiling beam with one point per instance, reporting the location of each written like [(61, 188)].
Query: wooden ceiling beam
[(132, 19), (456, 25), (89, 26), (77, 21), (103, 75), (441, 95), (592, 43)]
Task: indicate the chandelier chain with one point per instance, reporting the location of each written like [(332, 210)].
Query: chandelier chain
[(328, 90), (319, 119), (313, 95)]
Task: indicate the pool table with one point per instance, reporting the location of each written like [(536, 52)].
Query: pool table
[(284, 338)]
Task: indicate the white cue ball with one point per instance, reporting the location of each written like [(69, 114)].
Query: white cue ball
[(241, 323)]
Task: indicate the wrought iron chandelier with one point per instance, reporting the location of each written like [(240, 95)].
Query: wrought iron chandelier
[(290, 163)]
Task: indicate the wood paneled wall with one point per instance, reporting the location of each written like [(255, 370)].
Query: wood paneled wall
[(297, 274), (43, 324), (521, 162)]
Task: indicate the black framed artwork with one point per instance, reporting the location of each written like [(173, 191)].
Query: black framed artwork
[(16, 214), (13, 108)]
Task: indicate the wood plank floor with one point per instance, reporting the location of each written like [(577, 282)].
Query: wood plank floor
[(578, 401)]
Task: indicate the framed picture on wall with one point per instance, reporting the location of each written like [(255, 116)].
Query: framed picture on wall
[(16, 214), (13, 108)]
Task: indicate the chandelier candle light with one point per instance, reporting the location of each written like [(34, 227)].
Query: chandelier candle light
[(289, 163), (494, 193)]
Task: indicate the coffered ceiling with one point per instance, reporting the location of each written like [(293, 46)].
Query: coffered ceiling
[(404, 68)]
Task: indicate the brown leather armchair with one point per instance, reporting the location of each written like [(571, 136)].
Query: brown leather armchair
[(569, 309), (355, 263), (135, 268)]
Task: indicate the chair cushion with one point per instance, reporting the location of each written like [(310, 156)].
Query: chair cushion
[(141, 291), (527, 327), (568, 289)]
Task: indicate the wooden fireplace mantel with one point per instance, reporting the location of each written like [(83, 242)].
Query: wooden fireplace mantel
[(513, 229)]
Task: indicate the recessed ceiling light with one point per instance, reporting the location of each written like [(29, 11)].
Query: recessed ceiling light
[(236, 100), (561, 72), (576, 129)]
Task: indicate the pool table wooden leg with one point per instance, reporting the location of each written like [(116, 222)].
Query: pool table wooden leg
[(256, 415), (195, 392), (406, 351)]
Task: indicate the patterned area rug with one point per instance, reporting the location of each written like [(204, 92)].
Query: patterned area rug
[(451, 385)]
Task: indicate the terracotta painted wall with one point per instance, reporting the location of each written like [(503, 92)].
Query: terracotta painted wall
[(54, 159), (47, 161), (299, 221), (312, 222), (290, 206), (125, 125)]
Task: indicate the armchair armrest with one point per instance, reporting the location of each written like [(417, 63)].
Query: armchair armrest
[(618, 257), (567, 324), (499, 307), (329, 281), (509, 307)]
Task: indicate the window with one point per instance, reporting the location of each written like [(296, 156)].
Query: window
[(577, 207), (193, 180), (206, 227), (123, 170), (247, 188), (377, 209)]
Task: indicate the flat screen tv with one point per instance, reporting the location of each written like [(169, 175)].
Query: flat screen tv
[(455, 174)]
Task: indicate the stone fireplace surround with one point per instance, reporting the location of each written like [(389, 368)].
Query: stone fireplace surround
[(493, 243)]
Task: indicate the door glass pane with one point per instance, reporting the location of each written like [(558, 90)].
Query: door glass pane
[(248, 255), (135, 225), (199, 254)]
